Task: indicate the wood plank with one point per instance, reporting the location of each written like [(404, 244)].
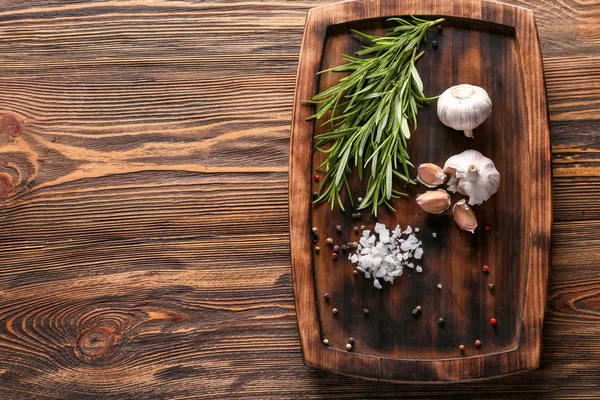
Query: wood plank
[(200, 324), (118, 76)]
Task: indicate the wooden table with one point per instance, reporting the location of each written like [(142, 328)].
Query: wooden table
[(144, 251)]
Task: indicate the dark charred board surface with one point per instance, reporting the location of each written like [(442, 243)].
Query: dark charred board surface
[(110, 238), (485, 44)]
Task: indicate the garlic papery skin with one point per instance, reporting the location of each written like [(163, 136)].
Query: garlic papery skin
[(434, 201), (464, 216), (474, 175), (464, 107), (430, 175)]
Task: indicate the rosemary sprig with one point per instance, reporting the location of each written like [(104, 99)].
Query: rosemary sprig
[(370, 112)]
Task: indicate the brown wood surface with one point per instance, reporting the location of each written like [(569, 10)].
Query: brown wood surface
[(488, 44), (145, 253)]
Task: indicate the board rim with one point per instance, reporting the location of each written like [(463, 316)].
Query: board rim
[(526, 355)]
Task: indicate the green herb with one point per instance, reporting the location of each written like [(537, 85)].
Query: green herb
[(370, 112)]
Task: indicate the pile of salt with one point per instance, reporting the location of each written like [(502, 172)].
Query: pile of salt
[(384, 254)]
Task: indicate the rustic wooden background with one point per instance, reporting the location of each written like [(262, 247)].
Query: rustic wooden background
[(144, 251)]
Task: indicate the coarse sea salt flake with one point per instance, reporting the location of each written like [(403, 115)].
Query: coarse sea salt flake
[(419, 269), (418, 253)]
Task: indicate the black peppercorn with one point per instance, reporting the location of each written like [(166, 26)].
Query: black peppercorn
[(351, 340), (326, 295), (355, 272), (440, 28), (315, 195), (344, 248), (440, 321), (491, 286), (356, 229), (338, 228), (415, 312), (434, 44), (366, 311)]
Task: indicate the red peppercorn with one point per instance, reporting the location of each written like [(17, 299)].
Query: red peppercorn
[(334, 256), (317, 179), (487, 228), (493, 321), (486, 268), (477, 343)]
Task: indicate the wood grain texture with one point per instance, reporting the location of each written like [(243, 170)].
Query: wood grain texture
[(502, 56), (161, 130)]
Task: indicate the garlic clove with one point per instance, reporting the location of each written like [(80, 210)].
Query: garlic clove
[(434, 201), (464, 107), (430, 175), (464, 216)]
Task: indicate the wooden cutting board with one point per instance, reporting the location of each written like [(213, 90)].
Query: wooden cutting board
[(488, 44)]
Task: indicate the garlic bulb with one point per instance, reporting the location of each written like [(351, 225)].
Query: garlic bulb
[(464, 107), (473, 175), (464, 216), (430, 175), (434, 201)]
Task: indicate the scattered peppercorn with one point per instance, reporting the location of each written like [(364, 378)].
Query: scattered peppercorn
[(334, 255), (335, 310), (351, 340), (491, 286), (356, 229), (338, 228), (336, 248), (415, 312), (355, 272), (362, 227), (477, 343), (360, 199), (439, 286), (353, 215), (326, 342), (358, 215), (486, 269), (487, 228), (317, 249), (317, 178), (344, 248), (440, 321), (434, 44), (461, 347), (440, 28), (329, 241), (327, 296), (349, 245), (418, 308), (315, 229), (366, 311), (493, 321), (354, 245), (348, 347), (315, 195)]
